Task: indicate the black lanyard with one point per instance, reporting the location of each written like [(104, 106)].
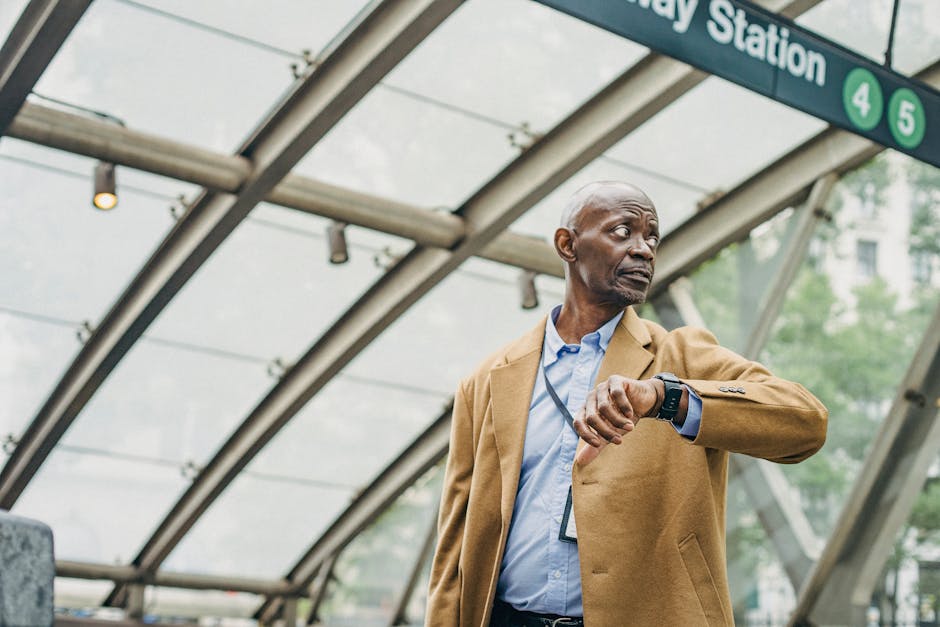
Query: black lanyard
[(561, 406)]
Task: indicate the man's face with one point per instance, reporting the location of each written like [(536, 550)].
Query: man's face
[(615, 240)]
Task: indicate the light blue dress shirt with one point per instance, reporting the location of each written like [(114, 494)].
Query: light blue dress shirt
[(539, 572)]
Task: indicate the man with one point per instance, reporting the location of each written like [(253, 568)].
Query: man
[(647, 545)]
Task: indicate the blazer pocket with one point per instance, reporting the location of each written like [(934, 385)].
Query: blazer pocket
[(702, 582)]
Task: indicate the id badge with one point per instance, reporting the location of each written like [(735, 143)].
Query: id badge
[(569, 530)]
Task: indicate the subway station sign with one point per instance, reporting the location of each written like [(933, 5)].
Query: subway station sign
[(745, 44)]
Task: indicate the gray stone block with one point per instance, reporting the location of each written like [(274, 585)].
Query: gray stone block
[(27, 570)]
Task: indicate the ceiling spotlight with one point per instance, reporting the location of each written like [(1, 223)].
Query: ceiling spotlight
[(336, 234), (105, 197), (530, 298)]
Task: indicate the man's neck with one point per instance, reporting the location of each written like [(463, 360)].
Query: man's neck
[(575, 320)]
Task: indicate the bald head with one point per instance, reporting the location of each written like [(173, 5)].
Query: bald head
[(601, 193), (608, 239)]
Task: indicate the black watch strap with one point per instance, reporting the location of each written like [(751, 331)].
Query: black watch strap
[(672, 396)]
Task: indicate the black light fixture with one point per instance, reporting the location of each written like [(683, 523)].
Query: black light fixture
[(336, 234), (527, 293), (105, 197)]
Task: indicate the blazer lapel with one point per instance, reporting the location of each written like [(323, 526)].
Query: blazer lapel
[(626, 354), (511, 387)]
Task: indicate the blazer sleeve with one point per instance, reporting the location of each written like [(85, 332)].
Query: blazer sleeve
[(745, 408), (443, 608)]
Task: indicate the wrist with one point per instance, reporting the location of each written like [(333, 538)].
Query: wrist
[(660, 388), (670, 404)]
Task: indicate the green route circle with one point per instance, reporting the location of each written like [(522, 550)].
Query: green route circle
[(862, 99), (906, 118)]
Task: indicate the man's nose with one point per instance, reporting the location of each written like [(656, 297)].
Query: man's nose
[(639, 248)]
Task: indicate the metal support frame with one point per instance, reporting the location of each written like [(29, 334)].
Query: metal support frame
[(400, 615), (289, 612), (377, 44), (36, 37), (782, 519), (840, 586), (597, 125), (493, 223), (784, 183), (318, 588), (634, 97), (806, 224), (135, 601), (225, 173), (132, 574), (428, 449)]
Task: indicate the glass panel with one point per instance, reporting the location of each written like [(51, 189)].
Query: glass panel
[(675, 200), (729, 290), (514, 62), (761, 593), (69, 260), (400, 148), (416, 612), (908, 589), (131, 452), (308, 473), (79, 597), (99, 505), (212, 607), (859, 26), (863, 27), (371, 572), (268, 291), (10, 11), (284, 515), (846, 318), (468, 313), (117, 61), (300, 24), (715, 136), (34, 353), (168, 404), (917, 35)]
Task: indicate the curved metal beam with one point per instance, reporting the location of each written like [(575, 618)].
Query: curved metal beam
[(584, 135), (37, 36), (224, 173), (377, 44)]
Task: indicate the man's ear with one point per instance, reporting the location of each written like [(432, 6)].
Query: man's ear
[(564, 244)]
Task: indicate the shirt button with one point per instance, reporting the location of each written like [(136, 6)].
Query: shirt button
[(557, 519), (557, 574), (567, 467)]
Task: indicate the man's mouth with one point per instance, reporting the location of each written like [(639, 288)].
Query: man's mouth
[(638, 274)]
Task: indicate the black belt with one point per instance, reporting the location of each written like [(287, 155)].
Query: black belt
[(505, 615)]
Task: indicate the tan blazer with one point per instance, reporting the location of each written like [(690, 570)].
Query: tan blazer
[(651, 512)]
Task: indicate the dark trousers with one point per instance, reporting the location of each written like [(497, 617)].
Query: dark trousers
[(504, 615)]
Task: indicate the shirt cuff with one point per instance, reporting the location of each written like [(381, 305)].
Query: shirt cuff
[(693, 417)]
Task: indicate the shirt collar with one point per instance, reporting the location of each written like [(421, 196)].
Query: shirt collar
[(554, 345)]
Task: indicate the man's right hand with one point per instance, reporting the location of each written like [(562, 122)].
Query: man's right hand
[(611, 411)]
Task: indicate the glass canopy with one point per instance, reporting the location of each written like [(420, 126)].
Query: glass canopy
[(207, 402)]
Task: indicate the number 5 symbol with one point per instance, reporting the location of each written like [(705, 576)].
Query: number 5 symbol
[(906, 118)]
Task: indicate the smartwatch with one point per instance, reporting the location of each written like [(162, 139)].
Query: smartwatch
[(673, 394)]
